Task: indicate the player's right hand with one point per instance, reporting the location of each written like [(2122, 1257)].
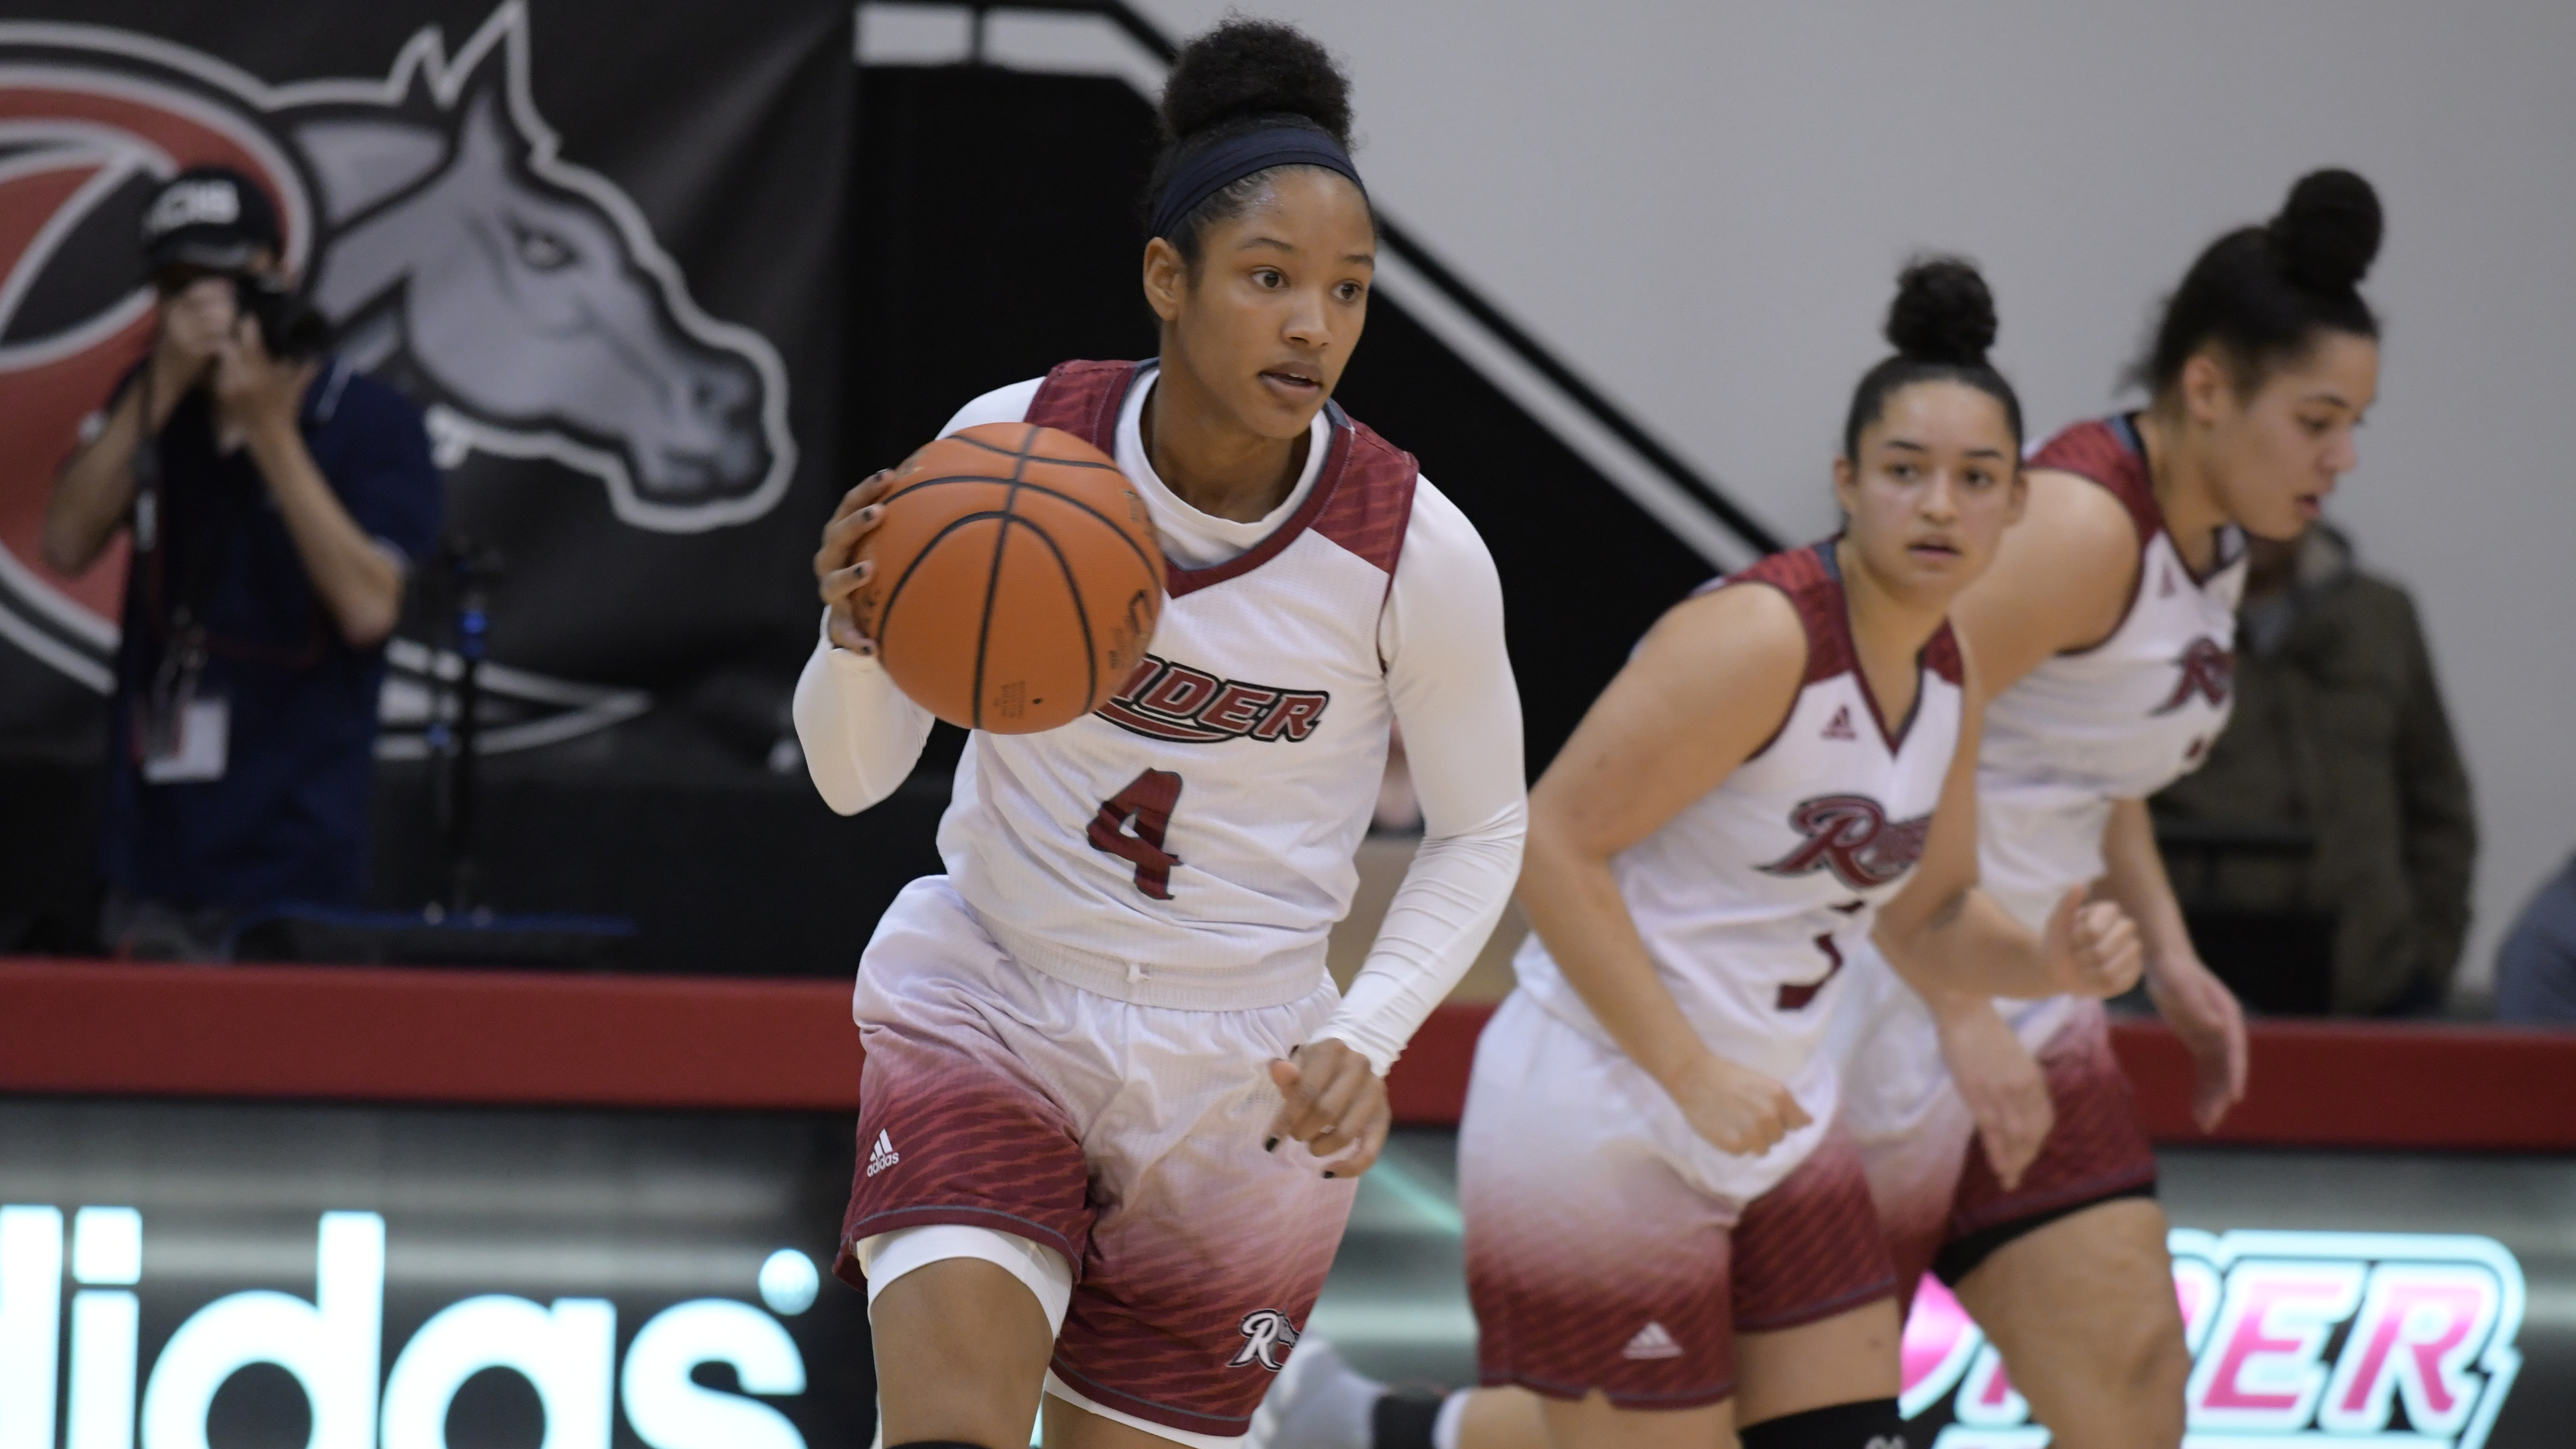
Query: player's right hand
[(2089, 947), (839, 572), (1737, 1109), (2005, 1093)]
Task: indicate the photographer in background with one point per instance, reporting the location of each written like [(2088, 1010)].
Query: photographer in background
[(277, 501)]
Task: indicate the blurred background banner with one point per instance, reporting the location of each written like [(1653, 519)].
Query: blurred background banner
[(605, 258)]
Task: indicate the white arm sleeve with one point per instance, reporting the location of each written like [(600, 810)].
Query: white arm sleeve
[(1442, 637), (860, 734)]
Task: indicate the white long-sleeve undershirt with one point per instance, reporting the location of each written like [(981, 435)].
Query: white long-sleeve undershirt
[(1448, 679)]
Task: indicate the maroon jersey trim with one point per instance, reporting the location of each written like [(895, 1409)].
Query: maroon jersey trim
[(1362, 499), (1812, 582), (2105, 451), (2096, 450)]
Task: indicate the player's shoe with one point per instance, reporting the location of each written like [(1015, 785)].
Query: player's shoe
[(1317, 1402)]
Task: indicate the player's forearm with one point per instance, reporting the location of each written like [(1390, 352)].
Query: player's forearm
[(93, 493), (1453, 894), (2134, 872), (358, 581), (1574, 905), (1970, 948), (861, 735)]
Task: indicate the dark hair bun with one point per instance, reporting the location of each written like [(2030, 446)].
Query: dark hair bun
[(2328, 231), (1942, 313), (1247, 68)]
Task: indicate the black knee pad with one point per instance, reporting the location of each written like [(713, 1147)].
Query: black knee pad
[(1869, 1424)]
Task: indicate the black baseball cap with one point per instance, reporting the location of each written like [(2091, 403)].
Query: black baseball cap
[(212, 217)]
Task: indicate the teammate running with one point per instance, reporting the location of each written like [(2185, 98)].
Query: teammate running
[(1665, 1236), (2106, 629), (1113, 1105)]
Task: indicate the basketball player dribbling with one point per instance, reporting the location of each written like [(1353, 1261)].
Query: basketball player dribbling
[(1667, 1240), (2106, 629), (1113, 1106)]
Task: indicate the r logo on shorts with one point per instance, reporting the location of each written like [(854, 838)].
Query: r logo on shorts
[(1267, 1333)]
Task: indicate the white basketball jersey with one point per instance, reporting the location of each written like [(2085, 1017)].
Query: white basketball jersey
[(1190, 843), (2118, 721), (1750, 899)]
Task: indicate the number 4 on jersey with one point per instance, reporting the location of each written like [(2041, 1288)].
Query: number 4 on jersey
[(1146, 806)]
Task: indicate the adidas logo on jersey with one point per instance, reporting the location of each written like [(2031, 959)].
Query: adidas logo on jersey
[(1840, 726), (883, 1155), (1652, 1342), (2165, 590)]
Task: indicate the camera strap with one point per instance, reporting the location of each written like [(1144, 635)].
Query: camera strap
[(180, 576)]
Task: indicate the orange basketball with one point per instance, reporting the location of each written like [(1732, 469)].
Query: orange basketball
[(1017, 579)]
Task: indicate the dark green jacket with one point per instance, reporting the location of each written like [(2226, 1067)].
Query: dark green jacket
[(2339, 728)]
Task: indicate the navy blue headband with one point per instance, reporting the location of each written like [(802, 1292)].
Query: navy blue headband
[(1231, 160)]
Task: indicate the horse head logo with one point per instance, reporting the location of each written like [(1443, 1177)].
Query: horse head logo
[(527, 298), (523, 300)]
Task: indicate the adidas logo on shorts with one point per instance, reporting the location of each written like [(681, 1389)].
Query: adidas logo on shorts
[(883, 1155), (1652, 1342)]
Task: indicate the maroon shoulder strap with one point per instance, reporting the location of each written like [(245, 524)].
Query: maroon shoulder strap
[(1941, 656), (1362, 500), (2101, 451), (1373, 501), (1812, 589), (1083, 398)]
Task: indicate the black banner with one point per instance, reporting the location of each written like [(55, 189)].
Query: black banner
[(604, 256)]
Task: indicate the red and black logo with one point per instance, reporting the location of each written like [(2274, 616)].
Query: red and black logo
[(2208, 672), (523, 300), (1851, 836), (1166, 701)]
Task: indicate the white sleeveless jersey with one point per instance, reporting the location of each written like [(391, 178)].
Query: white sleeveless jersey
[(1190, 843), (2118, 721), (1751, 898)]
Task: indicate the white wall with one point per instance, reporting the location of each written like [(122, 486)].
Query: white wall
[(1702, 208)]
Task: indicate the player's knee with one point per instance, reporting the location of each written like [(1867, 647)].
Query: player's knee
[(2154, 1362), (936, 1444), (1868, 1424)]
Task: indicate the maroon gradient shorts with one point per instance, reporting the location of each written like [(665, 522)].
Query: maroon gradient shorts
[(1126, 1138), (1945, 1210), (1602, 1249)]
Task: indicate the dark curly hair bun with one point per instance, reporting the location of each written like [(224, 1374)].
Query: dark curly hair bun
[(2328, 231), (1942, 313), (1246, 68)]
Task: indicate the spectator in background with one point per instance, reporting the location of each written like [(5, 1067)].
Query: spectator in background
[(277, 501), (2536, 966), (2339, 728)]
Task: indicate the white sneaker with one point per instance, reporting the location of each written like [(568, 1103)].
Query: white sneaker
[(1317, 1402)]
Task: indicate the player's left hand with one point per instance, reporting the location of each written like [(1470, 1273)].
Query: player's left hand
[(1336, 1104), (2006, 1093), (2204, 1013), (2091, 949)]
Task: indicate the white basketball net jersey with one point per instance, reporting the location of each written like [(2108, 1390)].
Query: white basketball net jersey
[(1751, 898), (1190, 843), (2120, 720)]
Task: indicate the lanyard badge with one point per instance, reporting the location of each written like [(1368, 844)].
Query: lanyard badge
[(182, 734)]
